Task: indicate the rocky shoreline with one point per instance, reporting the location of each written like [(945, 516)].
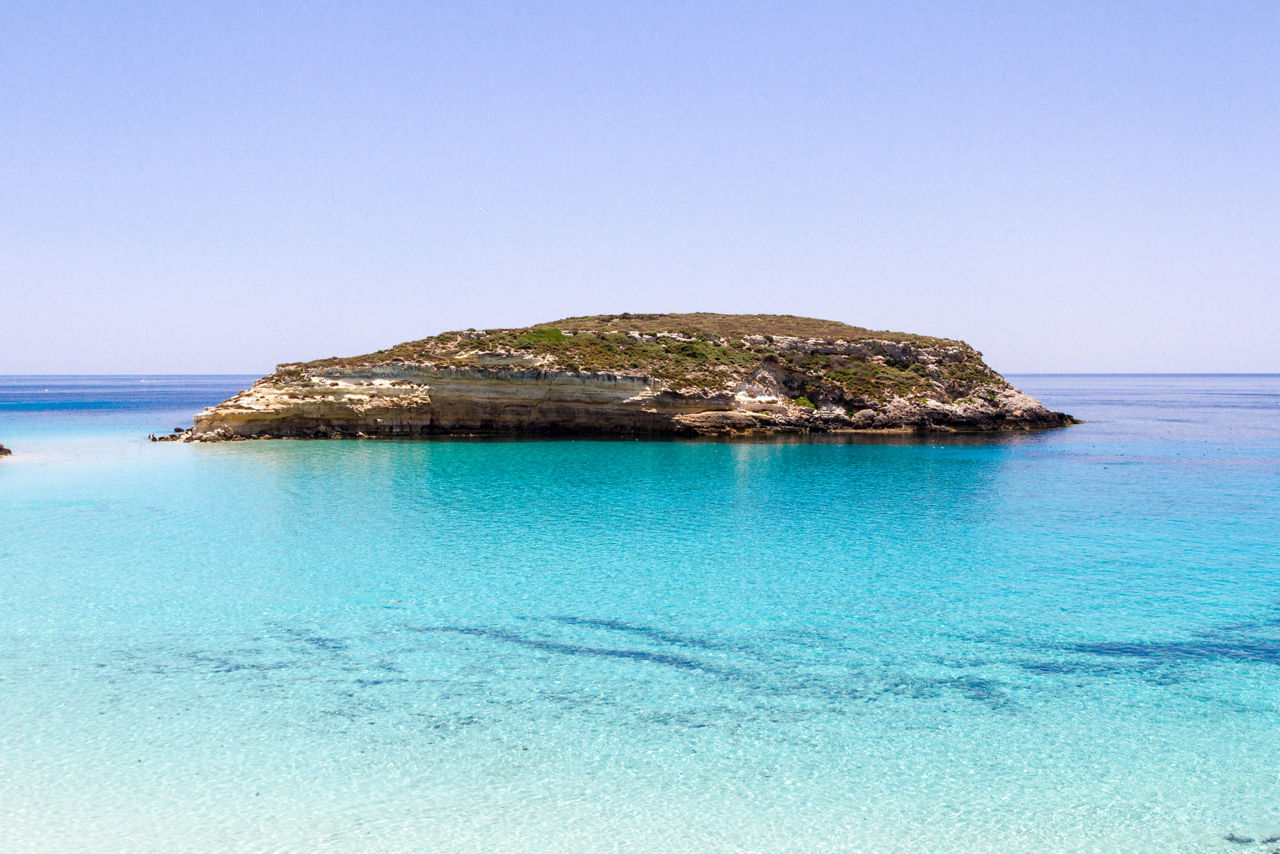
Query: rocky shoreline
[(609, 379)]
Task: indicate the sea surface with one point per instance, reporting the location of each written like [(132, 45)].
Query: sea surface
[(1053, 642)]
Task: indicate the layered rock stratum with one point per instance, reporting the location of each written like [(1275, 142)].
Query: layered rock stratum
[(636, 374)]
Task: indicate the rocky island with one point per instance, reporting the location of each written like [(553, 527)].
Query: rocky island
[(635, 374)]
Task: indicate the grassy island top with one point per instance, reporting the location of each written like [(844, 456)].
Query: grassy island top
[(579, 333), (704, 350), (706, 325)]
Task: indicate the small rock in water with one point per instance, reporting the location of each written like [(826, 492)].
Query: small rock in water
[(4, 452), (1239, 840)]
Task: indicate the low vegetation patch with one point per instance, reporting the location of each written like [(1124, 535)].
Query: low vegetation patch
[(715, 326), (711, 351)]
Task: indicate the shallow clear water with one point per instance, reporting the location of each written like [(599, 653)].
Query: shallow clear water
[(1066, 641)]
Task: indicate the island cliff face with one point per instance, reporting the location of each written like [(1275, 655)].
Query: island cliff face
[(645, 374)]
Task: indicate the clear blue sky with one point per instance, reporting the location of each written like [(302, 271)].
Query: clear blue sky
[(221, 186)]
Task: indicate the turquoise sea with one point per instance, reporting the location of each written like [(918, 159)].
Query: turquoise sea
[(1053, 642)]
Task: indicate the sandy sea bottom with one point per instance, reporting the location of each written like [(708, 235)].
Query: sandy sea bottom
[(1064, 641)]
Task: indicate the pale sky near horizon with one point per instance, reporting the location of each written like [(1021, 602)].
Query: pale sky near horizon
[(221, 187)]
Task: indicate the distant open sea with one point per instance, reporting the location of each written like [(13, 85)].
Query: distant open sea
[(1050, 642)]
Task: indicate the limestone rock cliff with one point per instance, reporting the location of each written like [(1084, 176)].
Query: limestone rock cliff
[(674, 374)]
